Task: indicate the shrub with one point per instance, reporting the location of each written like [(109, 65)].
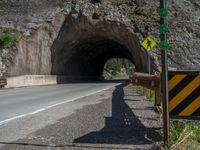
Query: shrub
[(8, 40), (121, 2), (198, 35), (139, 11)]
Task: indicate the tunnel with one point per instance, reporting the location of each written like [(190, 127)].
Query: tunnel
[(83, 46), (77, 45), (89, 57)]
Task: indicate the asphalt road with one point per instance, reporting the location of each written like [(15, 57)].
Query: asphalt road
[(114, 119), (21, 102), (81, 116)]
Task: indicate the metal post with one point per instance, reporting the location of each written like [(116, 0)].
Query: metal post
[(149, 59), (163, 37)]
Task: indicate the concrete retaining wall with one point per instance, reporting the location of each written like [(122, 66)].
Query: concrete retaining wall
[(31, 80)]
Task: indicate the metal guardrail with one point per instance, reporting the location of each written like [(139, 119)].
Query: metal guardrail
[(152, 82), (3, 83)]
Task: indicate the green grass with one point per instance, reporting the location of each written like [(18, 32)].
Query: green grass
[(176, 131), (185, 135), (150, 95)]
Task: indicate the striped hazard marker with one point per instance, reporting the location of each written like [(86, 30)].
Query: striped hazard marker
[(184, 94)]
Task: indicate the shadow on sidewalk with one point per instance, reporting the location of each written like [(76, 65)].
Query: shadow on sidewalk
[(123, 127)]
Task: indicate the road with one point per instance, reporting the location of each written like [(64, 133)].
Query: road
[(86, 116), (21, 102)]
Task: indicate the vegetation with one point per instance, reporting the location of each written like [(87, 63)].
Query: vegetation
[(117, 2), (150, 95), (139, 11), (8, 38), (7, 41), (121, 2), (117, 67), (185, 135), (198, 35)]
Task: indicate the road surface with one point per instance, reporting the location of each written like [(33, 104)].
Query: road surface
[(87, 116), (21, 102)]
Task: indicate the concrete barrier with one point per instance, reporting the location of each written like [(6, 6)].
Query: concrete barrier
[(31, 80)]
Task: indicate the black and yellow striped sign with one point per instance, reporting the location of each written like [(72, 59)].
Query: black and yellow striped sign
[(184, 93)]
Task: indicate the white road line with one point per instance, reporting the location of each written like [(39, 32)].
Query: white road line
[(54, 105)]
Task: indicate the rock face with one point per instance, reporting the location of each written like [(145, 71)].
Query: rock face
[(77, 37), (184, 36)]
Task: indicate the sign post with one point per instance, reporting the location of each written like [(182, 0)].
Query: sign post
[(164, 46), (149, 44)]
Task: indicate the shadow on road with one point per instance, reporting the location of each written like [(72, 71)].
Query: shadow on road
[(66, 80), (123, 127)]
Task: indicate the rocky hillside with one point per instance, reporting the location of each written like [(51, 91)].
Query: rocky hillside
[(22, 22)]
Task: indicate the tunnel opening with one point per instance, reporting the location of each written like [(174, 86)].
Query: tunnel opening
[(118, 68), (89, 57), (83, 47)]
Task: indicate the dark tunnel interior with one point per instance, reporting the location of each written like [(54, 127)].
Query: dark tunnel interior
[(88, 57)]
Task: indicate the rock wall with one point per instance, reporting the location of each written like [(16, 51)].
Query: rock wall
[(33, 54), (45, 39), (184, 21)]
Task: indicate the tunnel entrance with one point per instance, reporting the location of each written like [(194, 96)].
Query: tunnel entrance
[(78, 46), (89, 57), (83, 47)]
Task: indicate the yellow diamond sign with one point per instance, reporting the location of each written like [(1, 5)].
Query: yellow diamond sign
[(149, 44)]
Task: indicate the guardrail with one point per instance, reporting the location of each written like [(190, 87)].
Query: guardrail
[(3, 83), (152, 82)]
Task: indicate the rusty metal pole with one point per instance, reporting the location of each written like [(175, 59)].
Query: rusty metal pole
[(164, 47)]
